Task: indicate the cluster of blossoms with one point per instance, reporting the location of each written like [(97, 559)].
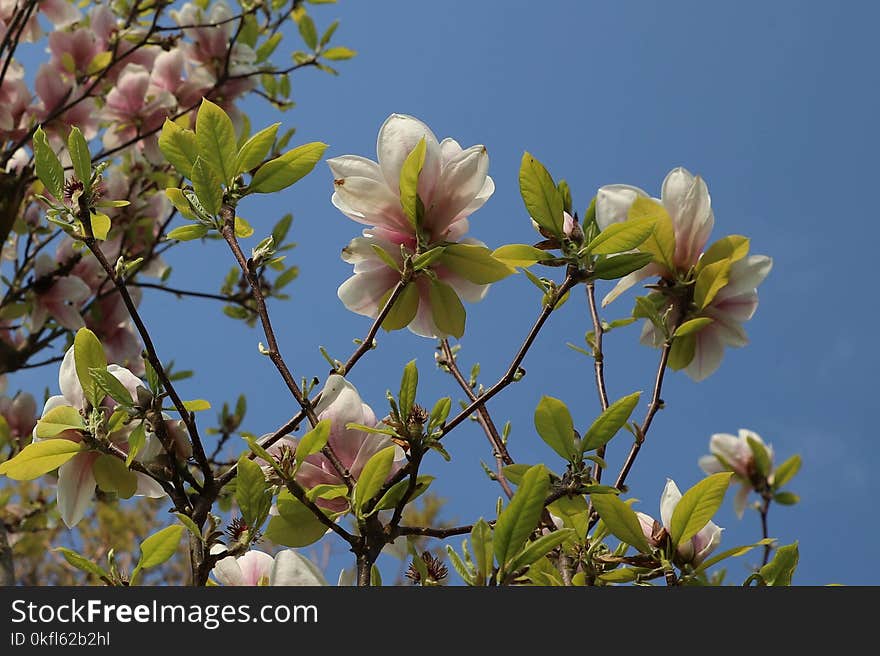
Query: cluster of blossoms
[(257, 568), (453, 184), (685, 198)]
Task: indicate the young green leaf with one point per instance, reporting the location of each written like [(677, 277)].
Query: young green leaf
[(207, 185), (710, 281), (692, 327), (255, 149), (197, 405), (179, 147), (731, 553), (520, 255), (610, 422), (338, 53), (697, 506), (409, 383), (215, 137), (80, 157), (540, 548), (521, 516), (786, 498), (307, 30), (621, 520), (404, 309), (446, 309), (136, 441), (661, 242), (281, 172), (88, 354), (426, 259), (111, 386), (409, 181), (623, 236), (482, 542), (474, 263), (112, 475), (733, 248), (40, 458), (786, 471), (540, 195), (440, 412), (100, 224), (612, 268), (682, 352), (295, 525), (313, 441), (395, 494), (555, 426), (158, 548), (779, 571), (47, 165), (81, 562), (373, 477), (763, 461), (251, 494), (57, 420), (188, 232)]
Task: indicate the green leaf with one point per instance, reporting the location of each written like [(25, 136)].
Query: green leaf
[(446, 309), (100, 223), (180, 202), (295, 525), (409, 383), (88, 354), (786, 471), (136, 441), (475, 263), (573, 512), (385, 256), (463, 570), (661, 242), (786, 498), (281, 172), (710, 281), (243, 229), (762, 459), (621, 575), (81, 562), (215, 137), (404, 309), (313, 441), (733, 248), (424, 260), (179, 147), (520, 255), (731, 553), (373, 477), (555, 426), (612, 268), (47, 165), (692, 327), (682, 352), (267, 47), (40, 458), (440, 412), (621, 520), (158, 548), (261, 453), (338, 53), (397, 491), (540, 195), (521, 516), (251, 494), (514, 473), (540, 548), (190, 525), (623, 236), (197, 405), (307, 30), (80, 157), (58, 420), (188, 232), (482, 543), (255, 149), (111, 386), (697, 506), (409, 181), (112, 475), (779, 571), (610, 422), (207, 185), (327, 491)]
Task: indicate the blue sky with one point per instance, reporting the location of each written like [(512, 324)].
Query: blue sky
[(773, 103)]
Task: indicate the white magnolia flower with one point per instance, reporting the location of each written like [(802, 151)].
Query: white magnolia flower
[(733, 453)]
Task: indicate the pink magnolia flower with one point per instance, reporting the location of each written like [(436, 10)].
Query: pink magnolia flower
[(734, 304), (60, 298), (15, 97), (73, 52), (109, 319), (60, 13), (685, 197), (76, 480), (55, 92), (695, 550), (20, 413), (732, 453), (208, 45), (452, 185), (342, 405), (256, 568)]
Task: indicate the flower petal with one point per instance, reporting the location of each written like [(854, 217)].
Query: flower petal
[(355, 165), (291, 568), (227, 571), (707, 354), (668, 501), (68, 381), (255, 566), (613, 202), (398, 135), (76, 487)]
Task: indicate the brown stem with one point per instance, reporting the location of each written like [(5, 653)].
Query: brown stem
[(509, 376), (499, 449), (441, 533), (598, 366), (7, 563), (364, 570), (185, 292), (765, 509)]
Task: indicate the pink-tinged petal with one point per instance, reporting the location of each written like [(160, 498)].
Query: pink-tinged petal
[(729, 330), (466, 290), (370, 446), (398, 135), (461, 180), (457, 230), (449, 149), (63, 301), (479, 200), (647, 524), (745, 275), (710, 465), (38, 317), (371, 202), (60, 13), (423, 324), (227, 571), (128, 379), (76, 487), (707, 355), (292, 569), (148, 487), (739, 308), (341, 404), (668, 501), (68, 382), (255, 567), (361, 254), (741, 499), (167, 70), (51, 403), (687, 200), (706, 541), (732, 450), (631, 280), (363, 291), (613, 202), (355, 166)]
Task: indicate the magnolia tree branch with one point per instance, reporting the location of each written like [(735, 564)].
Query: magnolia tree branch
[(598, 366), (499, 449), (765, 532), (440, 533)]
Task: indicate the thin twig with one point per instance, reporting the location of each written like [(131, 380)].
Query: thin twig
[(765, 509), (441, 533), (367, 343), (598, 366), (184, 292)]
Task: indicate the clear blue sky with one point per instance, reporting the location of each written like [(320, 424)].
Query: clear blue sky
[(773, 103)]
